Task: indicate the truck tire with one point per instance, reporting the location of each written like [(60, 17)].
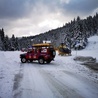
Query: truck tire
[(23, 60), (41, 61)]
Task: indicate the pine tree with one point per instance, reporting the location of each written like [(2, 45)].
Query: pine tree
[(13, 42), (1, 44), (7, 43)]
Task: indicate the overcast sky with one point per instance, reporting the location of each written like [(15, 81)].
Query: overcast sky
[(31, 17)]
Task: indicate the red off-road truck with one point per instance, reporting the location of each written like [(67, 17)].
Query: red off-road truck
[(41, 52)]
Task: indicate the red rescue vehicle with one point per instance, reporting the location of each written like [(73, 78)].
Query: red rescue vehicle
[(42, 52)]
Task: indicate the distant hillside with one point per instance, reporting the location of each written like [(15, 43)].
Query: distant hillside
[(76, 31), (83, 28)]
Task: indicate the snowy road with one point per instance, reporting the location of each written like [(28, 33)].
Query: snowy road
[(55, 80), (62, 78)]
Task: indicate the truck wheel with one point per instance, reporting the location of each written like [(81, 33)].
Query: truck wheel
[(41, 61), (23, 60)]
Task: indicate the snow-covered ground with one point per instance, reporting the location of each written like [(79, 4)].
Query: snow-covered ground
[(62, 78)]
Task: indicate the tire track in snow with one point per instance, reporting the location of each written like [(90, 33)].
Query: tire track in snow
[(17, 83), (70, 85), (59, 87), (33, 84)]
